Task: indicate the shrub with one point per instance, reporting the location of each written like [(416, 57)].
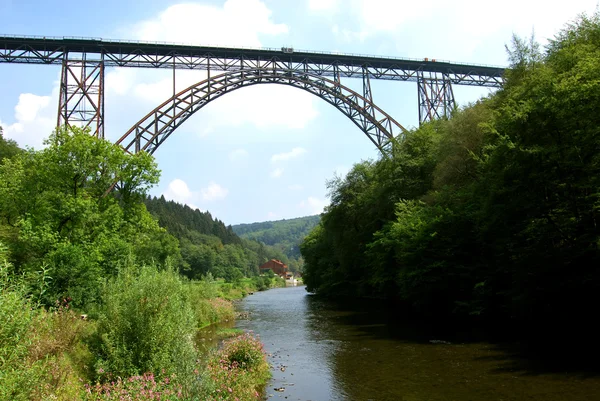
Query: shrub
[(146, 324), (208, 310), (206, 288), (223, 308), (238, 371), (261, 283), (40, 352), (17, 377), (244, 351)]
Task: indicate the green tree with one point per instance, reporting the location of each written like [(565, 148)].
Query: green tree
[(8, 147), (57, 201), (492, 213)]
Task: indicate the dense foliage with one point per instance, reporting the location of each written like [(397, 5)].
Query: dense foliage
[(493, 213), (207, 245), (74, 245), (8, 147), (185, 222), (284, 235), (57, 218), (146, 325), (238, 371)]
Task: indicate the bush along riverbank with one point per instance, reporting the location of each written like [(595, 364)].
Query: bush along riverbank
[(98, 301), (137, 343)]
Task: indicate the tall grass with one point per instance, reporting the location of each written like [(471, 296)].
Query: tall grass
[(41, 352), (17, 377), (146, 325), (207, 308), (140, 346)]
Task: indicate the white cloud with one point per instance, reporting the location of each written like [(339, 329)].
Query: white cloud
[(395, 13), (294, 153), (179, 191), (236, 23), (466, 22), (120, 80), (35, 120), (348, 35), (272, 215), (278, 172), (157, 87), (213, 192), (29, 106), (238, 154), (263, 106), (313, 205), (323, 5), (295, 187)]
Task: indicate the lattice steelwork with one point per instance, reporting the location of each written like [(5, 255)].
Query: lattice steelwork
[(81, 100), (152, 130), (38, 50), (435, 96), (82, 95)]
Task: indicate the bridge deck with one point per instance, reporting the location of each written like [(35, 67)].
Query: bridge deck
[(49, 50)]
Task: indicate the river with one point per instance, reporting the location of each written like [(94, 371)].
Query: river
[(321, 351)]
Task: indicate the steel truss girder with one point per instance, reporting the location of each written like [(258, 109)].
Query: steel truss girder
[(81, 99), (435, 96), (148, 55), (152, 130)]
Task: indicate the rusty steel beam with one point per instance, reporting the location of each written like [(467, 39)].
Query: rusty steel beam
[(47, 50), (435, 96), (81, 100), (84, 60), (153, 129)]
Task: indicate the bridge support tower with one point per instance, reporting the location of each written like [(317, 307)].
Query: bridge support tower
[(435, 96), (81, 99)]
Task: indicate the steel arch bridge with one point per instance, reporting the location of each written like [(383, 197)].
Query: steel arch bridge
[(83, 62), (153, 129)]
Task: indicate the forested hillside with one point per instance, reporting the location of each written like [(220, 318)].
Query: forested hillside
[(185, 222), (493, 214), (207, 245), (284, 235)]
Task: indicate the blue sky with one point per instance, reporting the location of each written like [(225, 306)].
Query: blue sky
[(264, 152)]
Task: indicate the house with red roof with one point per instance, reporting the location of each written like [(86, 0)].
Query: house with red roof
[(276, 266)]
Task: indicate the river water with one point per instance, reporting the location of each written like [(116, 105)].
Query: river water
[(322, 351)]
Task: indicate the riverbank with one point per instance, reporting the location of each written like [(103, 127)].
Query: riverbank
[(136, 343)]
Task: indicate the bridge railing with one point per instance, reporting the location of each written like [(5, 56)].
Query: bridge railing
[(270, 49)]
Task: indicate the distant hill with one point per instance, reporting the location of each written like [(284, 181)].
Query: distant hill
[(285, 235), (185, 222), (207, 245)]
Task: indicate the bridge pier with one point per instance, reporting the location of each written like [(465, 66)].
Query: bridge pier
[(435, 96), (83, 61), (81, 99)]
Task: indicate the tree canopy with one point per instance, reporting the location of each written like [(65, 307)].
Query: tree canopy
[(57, 216), (492, 213)]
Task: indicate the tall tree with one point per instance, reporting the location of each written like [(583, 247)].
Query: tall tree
[(56, 200)]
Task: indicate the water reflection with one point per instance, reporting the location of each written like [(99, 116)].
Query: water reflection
[(323, 351)]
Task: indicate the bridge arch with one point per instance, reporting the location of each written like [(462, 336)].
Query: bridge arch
[(153, 129)]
